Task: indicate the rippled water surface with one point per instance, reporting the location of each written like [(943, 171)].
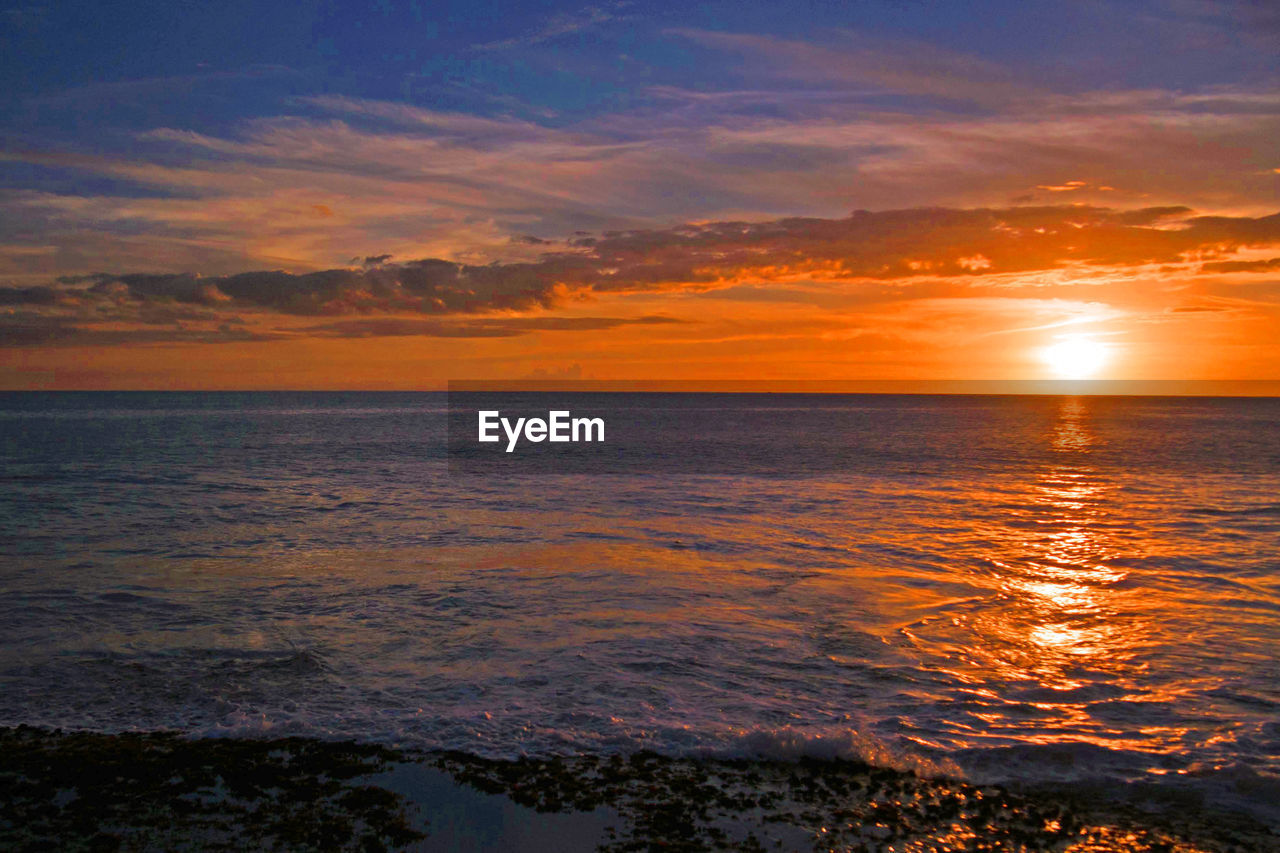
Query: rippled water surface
[(1011, 587)]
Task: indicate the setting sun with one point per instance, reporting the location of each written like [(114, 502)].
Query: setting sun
[(1076, 358), (482, 424)]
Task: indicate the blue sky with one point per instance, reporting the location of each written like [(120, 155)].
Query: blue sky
[(212, 140), (207, 66), (735, 109)]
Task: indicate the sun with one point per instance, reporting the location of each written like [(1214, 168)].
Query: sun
[(1075, 358)]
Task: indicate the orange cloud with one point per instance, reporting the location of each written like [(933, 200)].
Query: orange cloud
[(910, 293)]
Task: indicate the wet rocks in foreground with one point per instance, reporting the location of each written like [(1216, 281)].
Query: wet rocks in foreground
[(155, 791)]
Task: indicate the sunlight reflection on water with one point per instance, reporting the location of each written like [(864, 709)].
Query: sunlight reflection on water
[(1061, 586)]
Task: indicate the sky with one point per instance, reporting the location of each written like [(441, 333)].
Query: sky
[(398, 194)]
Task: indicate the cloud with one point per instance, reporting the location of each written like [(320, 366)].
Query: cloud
[(1272, 264), (1069, 186), (437, 121), (350, 176), (501, 327), (573, 371), (900, 67), (28, 296), (922, 254), (560, 25), (36, 330)]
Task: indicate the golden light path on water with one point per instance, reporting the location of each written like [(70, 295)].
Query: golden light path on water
[(1064, 616)]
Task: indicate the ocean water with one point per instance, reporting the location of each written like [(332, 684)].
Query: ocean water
[(1077, 590)]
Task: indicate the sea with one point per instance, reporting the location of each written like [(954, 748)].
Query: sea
[(1078, 591)]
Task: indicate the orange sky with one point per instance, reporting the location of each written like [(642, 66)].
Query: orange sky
[(836, 206), (929, 294)]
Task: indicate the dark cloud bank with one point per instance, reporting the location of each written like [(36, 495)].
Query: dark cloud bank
[(434, 297)]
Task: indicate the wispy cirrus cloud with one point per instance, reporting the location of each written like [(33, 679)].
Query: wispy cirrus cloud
[(359, 176), (560, 25), (1268, 265), (898, 68)]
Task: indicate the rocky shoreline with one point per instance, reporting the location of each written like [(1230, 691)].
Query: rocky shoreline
[(161, 791)]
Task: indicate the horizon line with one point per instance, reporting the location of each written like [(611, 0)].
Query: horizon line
[(1261, 388)]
